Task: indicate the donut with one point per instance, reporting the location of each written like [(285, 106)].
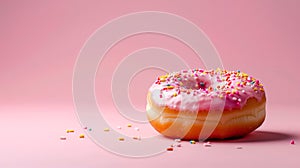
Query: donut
[(184, 103)]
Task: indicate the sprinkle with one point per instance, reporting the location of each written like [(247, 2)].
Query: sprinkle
[(121, 139), (234, 98), (292, 142), (177, 140), (106, 129), (239, 99), (62, 138), (239, 147), (170, 87), (207, 144), (84, 127), (69, 130), (170, 149), (90, 129), (136, 138), (178, 145), (175, 94), (119, 127), (136, 128), (81, 136), (192, 142), (129, 125)]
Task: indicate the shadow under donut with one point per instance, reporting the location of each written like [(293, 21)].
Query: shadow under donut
[(262, 136)]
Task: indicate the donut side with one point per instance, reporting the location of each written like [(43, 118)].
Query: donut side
[(188, 125)]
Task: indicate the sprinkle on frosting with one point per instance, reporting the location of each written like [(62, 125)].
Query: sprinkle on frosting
[(197, 87)]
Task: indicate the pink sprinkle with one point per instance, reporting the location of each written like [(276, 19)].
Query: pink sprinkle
[(62, 138), (292, 142)]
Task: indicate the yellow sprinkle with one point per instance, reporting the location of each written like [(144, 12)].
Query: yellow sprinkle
[(106, 129), (255, 89), (175, 94), (244, 74), (221, 96), (69, 130), (129, 125), (162, 80), (81, 136), (164, 76), (261, 89), (170, 87), (121, 139)]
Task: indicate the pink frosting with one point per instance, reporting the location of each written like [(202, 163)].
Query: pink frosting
[(193, 90)]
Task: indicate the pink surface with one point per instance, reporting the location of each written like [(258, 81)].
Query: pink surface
[(41, 40)]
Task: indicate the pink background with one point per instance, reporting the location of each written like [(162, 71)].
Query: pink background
[(40, 42)]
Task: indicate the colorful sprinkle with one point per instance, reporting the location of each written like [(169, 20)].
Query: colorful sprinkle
[(106, 129), (177, 140), (292, 142), (207, 144), (81, 136), (137, 137), (170, 149), (70, 131), (63, 138), (121, 139), (129, 125), (192, 142)]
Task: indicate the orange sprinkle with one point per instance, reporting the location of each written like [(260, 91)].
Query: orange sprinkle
[(81, 136)]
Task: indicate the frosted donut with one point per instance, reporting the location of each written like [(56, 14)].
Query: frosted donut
[(179, 102)]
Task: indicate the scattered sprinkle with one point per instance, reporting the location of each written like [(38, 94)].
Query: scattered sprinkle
[(207, 144), (81, 136), (90, 129), (170, 149), (137, 137), (106, 129), (292, 142), (70, 131), (239, 147), (129, 125), (192, 142), (178, 145), (63, 138), (84, 127), (121, 139), (177, 140), (119, 127), (136, 128)]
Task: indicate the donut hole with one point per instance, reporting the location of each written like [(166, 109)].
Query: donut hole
[(196, 83)]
